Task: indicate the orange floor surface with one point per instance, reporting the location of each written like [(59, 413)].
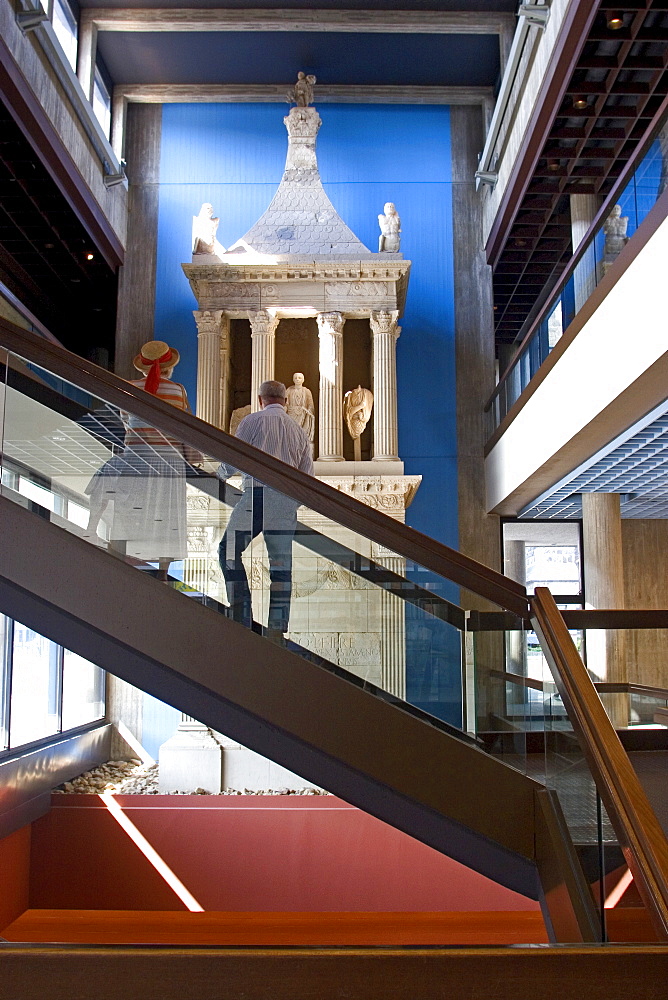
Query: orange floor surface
[(236, 928)]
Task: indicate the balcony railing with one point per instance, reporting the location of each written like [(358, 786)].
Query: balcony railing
[(628, 205)]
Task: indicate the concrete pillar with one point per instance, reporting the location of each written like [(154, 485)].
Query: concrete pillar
[(583, 211), (385, 333), (330, 430), (263, 341), (604, 588), (213, 365), (137, 278)]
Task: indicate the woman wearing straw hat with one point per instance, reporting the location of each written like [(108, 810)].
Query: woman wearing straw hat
[(146, 482)]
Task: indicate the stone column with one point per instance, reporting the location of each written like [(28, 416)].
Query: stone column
[(393, 630), (385, 332), (330, 430), (213, 365), (583, 211), (263, 341), (604, 588)]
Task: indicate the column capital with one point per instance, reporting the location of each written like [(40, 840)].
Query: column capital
[(209, 321), (385, 321), (263, 323), (330, 322)]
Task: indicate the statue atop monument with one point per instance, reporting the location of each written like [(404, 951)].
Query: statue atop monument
[(300, 405), (302, 92), (390, 227), (616, 239), (205, 227)]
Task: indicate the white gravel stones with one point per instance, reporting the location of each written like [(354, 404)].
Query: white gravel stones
[(131, 777)]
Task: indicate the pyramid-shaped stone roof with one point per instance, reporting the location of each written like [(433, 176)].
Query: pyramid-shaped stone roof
[(301, 219)]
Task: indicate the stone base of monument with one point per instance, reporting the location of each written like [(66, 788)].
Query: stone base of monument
[(191, 759), (245, 770)]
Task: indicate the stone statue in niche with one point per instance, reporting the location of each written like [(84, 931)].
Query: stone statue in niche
[(300, 405), (302, 92), (614, 227), (357, 406), (205, 227), (390, 226), (236, 418)]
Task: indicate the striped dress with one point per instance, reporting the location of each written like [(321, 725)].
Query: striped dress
[(146, 485)]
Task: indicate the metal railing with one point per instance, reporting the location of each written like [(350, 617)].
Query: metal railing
[(636, 192)]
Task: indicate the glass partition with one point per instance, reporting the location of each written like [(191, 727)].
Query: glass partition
[(632, 206), (522, 720), (213, 534)]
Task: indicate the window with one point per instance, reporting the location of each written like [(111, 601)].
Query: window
[(44, 689), (35, 685), (102, 101), (65, 27)]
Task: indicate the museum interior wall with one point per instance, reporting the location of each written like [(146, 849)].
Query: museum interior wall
[(645, 586)]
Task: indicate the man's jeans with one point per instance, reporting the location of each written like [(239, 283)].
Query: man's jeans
[(260, 510)]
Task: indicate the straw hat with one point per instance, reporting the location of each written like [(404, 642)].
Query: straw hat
[(156, 350)]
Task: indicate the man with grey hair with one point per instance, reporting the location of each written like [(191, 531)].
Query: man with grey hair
[(263, 510)]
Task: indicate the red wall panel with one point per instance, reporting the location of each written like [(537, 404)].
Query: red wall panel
[(272, 853), (14, 875)]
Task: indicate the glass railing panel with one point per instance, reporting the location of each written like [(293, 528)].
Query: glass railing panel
[(602, 840), (330, 594), (508, 702), (627, 668), (522, 719), (648, 710)]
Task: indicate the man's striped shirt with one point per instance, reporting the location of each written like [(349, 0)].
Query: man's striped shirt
[(274, 432)]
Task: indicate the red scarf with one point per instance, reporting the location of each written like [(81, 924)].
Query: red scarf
[(153, 375)]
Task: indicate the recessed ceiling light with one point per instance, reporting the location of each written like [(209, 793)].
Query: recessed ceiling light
[(580, 102), (614, 20)]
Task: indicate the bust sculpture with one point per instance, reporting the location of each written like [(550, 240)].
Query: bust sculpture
[(205, 227), (390, 227), (300, 405), (357, 406), (302, 92), (614, 227)]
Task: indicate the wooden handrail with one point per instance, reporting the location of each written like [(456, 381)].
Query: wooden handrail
[(347, 511), (640, 835)]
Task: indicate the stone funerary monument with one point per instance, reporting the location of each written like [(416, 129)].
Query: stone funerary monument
[(299, 293)]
